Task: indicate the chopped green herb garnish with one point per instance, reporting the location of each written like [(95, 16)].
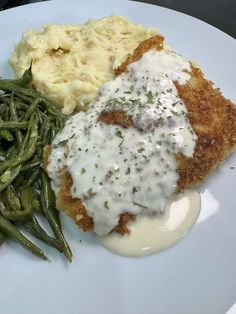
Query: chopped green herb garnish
[(149, 97), (140, 150), (119, 133), (72, 136), (62, 142), (175, 113), (135, 189), (128, 170), (90, 192), (140, 205), (106, 204)]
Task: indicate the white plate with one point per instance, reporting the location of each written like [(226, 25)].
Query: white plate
[(196, 276)]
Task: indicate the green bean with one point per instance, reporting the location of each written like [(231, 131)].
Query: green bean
[(2, 155), (29, 122), (2, 238), (39, 115), (17, 211), (13, 125), (31, 108), (53, 132), (14, 116), (27, 149), (30, 142), (44, 116), (27, 197), (5, 113), (57, 217), (48, 205), (30, 165), (30, 199), (22, 82), (12, 197), (20, 91), (24, 98), (6, 135), (19, 180), (10, 162), (4, 95), (12, 151), (51, 108), (9, 230), (20, 105), (36, 204), (40, 143), (15, 215), (45, 129), (9, 156), (33, 176), (8, 177), (21, 115), (29, 95), (33, 227)]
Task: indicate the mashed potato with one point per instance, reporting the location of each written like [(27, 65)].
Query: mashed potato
[(71, 62)]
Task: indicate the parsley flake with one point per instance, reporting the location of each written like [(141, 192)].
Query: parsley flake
[(140, 150), (135, 189), (149, 97), (106, 205), (128, 170), (90, 192), (140, 205), (119, 133), (82, 171)]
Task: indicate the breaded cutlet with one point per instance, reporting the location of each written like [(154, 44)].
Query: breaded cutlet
[(212, 117)]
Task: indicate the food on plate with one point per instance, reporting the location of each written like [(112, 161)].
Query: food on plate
[(150, 126), (71, 62), (158, 128), (28, 122)]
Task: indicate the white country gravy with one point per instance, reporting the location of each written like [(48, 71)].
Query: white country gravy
[(114, 169), (151, 235)]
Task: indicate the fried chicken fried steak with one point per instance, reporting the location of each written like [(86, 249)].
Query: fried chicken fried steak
[(211, 116)]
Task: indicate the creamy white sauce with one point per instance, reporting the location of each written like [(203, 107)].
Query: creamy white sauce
[(116, 170), (151, 235)]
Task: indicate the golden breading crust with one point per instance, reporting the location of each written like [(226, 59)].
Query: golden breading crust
[(212, 117)]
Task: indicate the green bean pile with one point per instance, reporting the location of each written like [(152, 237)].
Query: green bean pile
[(28, 122)]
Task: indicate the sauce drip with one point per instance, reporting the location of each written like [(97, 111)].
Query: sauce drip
[(151, 235)]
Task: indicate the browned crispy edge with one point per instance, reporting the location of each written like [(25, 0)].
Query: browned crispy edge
[(212, 117)]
